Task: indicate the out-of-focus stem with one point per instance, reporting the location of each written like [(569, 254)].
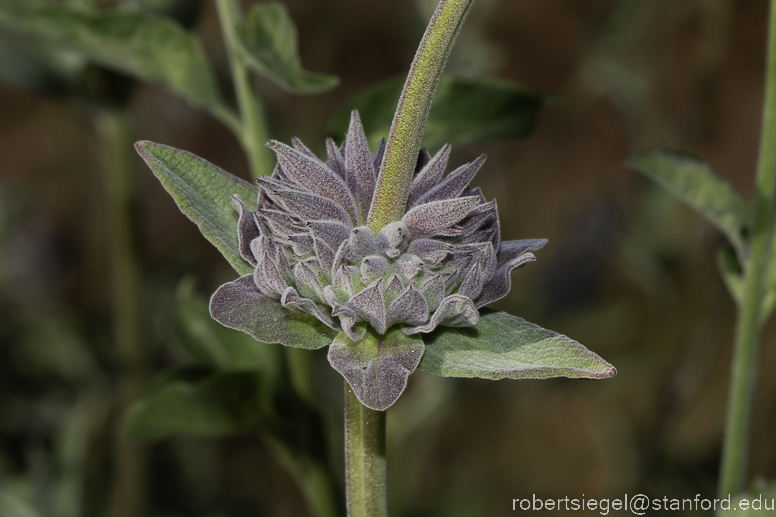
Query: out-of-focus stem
[(253, 133), (128, 491), (409, 123), (364, 458), (744, 368)]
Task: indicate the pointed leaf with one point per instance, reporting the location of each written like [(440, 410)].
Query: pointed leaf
[(693, 181), (268, 45), (465, 111), (199, 403), (241, 306), (204, 193), (152, 48), (377, 367), (502, 346)]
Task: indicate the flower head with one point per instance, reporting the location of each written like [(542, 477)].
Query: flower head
[(312, 251)]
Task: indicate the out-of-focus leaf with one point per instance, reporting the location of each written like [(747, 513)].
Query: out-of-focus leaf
[(759, 500), (502, 346), (268, 45), (240, 305), (464, 111), (200, 403), (208, 343), (693, 181), (203, 192), (152, 48), (377, 367)]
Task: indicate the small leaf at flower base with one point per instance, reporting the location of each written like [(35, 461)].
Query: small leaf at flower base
[(241, 306), (268, 45), (377, 366), (465, 111), (204, 193), (502, 346), (153, 48), (199, 403), (693, 181)]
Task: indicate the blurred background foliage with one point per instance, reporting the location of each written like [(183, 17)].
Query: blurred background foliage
[(629, 271)]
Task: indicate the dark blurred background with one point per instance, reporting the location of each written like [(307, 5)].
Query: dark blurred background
[(628, 271)]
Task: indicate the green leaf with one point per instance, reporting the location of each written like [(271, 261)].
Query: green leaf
[(465, 111), (208, 343), (693, 181), (199, 403), (152, 48), (502, 346), (241, 306), (268, 45), (203, 192), (377, 367)]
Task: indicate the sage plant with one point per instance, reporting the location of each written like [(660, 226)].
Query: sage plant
[(378, 255)]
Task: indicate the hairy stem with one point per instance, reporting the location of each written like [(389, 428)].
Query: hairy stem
[(364, 458), (128, 493), (253, 133), (409, 123), (744, 368)]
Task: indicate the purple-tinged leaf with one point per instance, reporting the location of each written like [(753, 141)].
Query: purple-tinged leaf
[(307, 170), (454, 311), (409, 308), (241, 306), (377, 366), (509, 250), (361, 173), (369, 304), (292, 300), (499, 285), (454, 184), (247, 229), (430, 174), (426, 220)]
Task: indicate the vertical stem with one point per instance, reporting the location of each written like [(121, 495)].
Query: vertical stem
[(364, 458), (127, 499), (253, 133), (744, 367), (409, 123)]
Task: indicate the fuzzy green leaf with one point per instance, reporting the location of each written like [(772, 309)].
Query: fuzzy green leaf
[(464, 111), (693, 181), (502, 346), (152, 48), (199, 403), (268, 46), (377, 366), (203, 192), (241, 306)]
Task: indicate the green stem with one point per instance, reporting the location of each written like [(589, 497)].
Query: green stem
[(253, 133), (409, 123), (364, 458), (127, 498), (744, 368)]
